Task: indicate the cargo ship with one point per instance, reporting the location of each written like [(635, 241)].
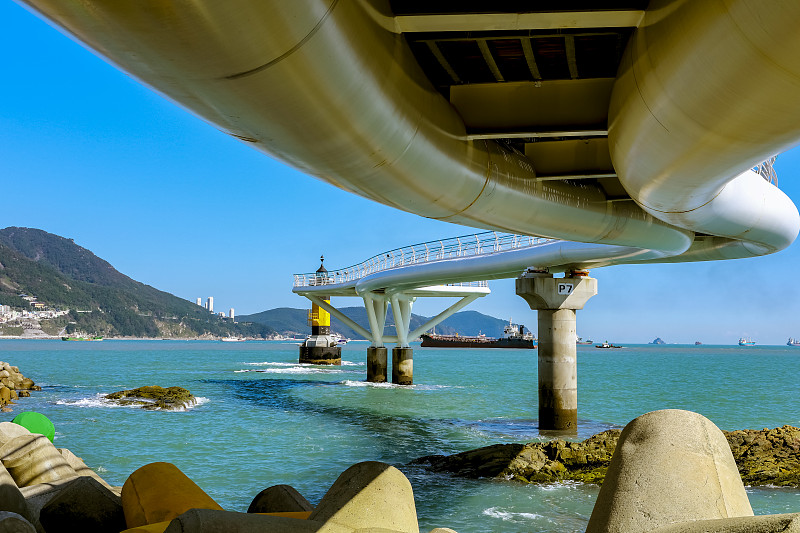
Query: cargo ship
[(514, 336)]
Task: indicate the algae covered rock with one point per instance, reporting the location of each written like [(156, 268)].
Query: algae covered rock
[(767, 456), (555, 460), (763, 457), (155, 397)]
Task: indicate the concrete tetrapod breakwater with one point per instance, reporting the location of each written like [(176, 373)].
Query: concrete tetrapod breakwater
[(672, 471)]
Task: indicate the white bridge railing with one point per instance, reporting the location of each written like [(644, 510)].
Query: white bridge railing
[(463, 246), (767, 170)]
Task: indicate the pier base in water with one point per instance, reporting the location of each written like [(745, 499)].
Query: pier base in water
[(556, 301), (402, 366), (320, 350), (377, 364)]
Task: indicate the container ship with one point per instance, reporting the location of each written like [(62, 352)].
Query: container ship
[(514, 336)]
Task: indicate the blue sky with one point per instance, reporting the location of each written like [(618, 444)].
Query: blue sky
[(90, 154)]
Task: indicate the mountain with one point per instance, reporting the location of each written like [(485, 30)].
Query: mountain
[(289, 321), (102, 300)]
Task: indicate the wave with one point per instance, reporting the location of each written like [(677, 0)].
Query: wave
[(296, 369), (274, 363), (386, 385), (281, 364), (559, 485), (99, 400), (495, 512)]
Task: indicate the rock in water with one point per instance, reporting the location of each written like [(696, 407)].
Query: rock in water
[(155, 397), (555, 460), (767, 456), (763, 457)]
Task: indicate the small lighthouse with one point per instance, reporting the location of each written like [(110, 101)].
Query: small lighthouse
[(320, 348)]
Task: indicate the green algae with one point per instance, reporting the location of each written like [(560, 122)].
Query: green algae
[(155, 397)]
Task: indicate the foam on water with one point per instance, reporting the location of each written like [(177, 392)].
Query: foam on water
[(560, 485), (495, 512), (273, 363), (296, 369), (283, 364), (387, 385)]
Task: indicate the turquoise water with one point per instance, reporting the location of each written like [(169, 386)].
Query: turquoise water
[(264, 420)]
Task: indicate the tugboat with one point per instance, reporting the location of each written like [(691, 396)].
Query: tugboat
[(607, 344), (513, 337)]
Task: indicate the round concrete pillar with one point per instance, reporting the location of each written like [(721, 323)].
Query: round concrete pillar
[(321, 354), (402, 366), (558, 370), (377, 364)]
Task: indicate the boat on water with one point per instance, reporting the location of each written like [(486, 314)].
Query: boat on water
[(793, 342), (697, 343), (746, 341), (514, 336), (232, 339), (607, 344), (588, 342), (340, 339), (82, 338)]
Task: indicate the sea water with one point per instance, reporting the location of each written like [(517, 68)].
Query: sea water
[(262, 419)]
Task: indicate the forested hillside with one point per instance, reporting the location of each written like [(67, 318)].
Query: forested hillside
[(102, 301)]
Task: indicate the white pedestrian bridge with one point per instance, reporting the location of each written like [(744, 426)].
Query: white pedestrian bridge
[(458, 267)]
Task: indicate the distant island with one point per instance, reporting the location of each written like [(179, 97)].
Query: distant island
[(658, 340)]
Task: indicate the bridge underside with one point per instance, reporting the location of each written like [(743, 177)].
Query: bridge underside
[(539, 81), (629, 123)]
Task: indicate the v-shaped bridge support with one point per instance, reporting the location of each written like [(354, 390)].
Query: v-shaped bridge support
[(377, 304)]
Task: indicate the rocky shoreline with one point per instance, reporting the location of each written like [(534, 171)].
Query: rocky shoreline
[(763, 457), (13, 386)]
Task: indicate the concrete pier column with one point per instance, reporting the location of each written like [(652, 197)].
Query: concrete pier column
[(558, 369), (556, 300), (377, 364), (402, 366)]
